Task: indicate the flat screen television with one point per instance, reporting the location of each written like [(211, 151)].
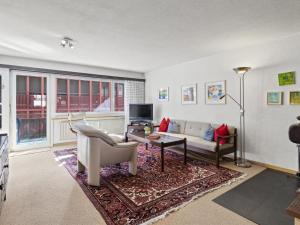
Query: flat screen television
[(141, 112)]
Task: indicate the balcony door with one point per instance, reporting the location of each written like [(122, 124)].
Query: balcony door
[(30, 110)]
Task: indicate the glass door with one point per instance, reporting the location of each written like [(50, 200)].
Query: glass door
[(30, 111)]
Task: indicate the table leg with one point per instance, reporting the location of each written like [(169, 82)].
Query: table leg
[(146, 144), (126, 137), (162, 158), (185, 151)]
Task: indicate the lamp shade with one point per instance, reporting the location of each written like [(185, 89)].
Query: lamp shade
[(242, 70)]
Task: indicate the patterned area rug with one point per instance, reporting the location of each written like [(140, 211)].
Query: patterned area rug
[(151, 194)]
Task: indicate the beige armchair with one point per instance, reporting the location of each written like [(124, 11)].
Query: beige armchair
[(96, 149), (80, 118), (74, 118)]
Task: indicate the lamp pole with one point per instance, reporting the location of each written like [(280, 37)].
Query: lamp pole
[(241, 162)]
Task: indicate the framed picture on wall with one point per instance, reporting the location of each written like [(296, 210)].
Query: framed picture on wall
[(189, 94), (274, 97), (163, 94), (294, 97), (214, 91), (287, 78)]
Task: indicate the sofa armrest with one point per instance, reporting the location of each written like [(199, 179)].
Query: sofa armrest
[(226, 137), (219, 137)]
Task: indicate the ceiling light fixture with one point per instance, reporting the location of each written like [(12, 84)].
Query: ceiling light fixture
[(67, 42)]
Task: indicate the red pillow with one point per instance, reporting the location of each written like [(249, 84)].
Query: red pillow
[(215, 132), (163, 127), (221, 131), (168, 121)]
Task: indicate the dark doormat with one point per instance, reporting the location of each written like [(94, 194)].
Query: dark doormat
[(263, 198)]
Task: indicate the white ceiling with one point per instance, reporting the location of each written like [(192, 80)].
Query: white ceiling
[(140, 35)]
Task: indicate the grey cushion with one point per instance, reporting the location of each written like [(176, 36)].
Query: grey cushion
[(173, 127), (181, 124), (196, 129), (90, 131)]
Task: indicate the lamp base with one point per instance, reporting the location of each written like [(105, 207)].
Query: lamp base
[(243, 163)]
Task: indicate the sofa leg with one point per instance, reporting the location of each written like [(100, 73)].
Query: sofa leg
[(80, 166), (235, 156), (218, 160)]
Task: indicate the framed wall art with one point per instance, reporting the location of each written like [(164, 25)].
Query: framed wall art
[(214, 91), (163, 94), (189, 94), (274, 97), (294, 97), (287, 78)]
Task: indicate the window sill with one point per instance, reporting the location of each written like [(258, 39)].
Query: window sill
[(57, 116)]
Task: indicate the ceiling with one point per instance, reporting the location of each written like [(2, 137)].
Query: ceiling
[(140, 35)]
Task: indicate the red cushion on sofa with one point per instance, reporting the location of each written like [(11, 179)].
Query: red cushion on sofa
[(168, 121), (222, 131), (216, 132), (163, 127)]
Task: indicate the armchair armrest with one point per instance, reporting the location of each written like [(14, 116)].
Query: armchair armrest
[(126, 145)]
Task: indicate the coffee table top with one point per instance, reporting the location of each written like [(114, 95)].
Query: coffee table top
[(166, 139)]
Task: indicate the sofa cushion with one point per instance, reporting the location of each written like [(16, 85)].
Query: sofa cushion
[(230, 129), (173, 127), (196, 129), (198, 142), (90, 131), (163, 127), (209, 134), (181, 124)]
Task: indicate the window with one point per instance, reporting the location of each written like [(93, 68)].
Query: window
[(84, 98), (88, 96), (31, 108), (119, 97), (105, 101), (62, 96), (74, 96)]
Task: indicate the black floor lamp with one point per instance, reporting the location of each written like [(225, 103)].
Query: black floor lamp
[(241, 162)]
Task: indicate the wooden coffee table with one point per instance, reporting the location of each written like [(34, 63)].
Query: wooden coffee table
[(163, 142)]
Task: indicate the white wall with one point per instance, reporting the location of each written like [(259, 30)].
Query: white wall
[(266, 126), (19, 61), (4, 73)]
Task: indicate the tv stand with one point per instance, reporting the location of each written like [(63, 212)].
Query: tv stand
[(141, 123), (138, 126)]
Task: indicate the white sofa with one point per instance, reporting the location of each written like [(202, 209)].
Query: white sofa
[(194, 133), (96, 149)]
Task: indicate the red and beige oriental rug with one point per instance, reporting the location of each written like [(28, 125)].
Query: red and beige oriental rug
[(151, 194)]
